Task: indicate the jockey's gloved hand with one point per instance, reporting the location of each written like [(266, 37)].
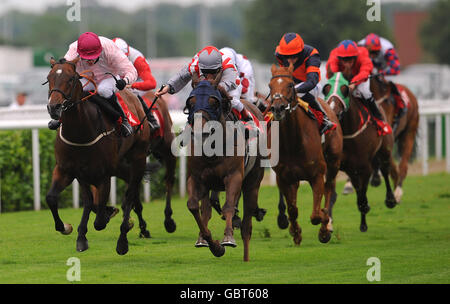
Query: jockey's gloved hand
[(120, 84)]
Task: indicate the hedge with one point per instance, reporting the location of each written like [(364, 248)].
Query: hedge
[(16, 172)]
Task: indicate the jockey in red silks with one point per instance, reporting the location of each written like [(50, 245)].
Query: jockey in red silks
[(306, 61), (347, 55), (145, 82), (385, 60), (100, 55), (210, 60)]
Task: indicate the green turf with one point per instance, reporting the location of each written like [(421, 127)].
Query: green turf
[(412, 242)]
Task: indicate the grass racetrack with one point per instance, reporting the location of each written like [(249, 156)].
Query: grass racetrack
[(411, 241)]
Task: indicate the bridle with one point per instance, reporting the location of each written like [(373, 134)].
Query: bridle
[(68, 103), (289, 100)]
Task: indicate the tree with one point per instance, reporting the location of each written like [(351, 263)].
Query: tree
[(435, 32), (321, 23)]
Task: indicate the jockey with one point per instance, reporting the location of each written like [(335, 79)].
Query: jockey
[(306, 61), (385, 60), (383, 55), (245, 72), (145, 81), (209, 60), (100, 55), (346, 56)]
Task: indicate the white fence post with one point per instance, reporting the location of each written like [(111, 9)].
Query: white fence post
[(423, 125), (447, 141), (36, 169), (438, 136), (113, 191), (76, 194)]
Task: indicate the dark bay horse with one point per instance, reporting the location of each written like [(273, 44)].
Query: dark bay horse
[(89, 148), (160, 148), (301, 154), (404, 128), (363, 147), (219, 172)]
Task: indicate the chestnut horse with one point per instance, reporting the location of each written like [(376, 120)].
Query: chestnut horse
[(225, 172), (160, 148), (301, 154), (363, 147), (404, 128), (89, 147)]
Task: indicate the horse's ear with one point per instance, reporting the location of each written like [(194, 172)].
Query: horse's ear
[(326, 89), (273, 69), (345, 90), (52, 62)]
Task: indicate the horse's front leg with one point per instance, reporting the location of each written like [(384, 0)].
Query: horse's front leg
[(233, 184), (196, 192), (59, 182), (101, 196), (87, 199), (289, 191)]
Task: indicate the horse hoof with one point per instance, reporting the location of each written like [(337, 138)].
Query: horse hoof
[(201, 243), (316, 220), (398, 193), (217, 250), (390, 203), (112, 212), (145, 234), (228, 241), (82, 245), (170, 225), (348, 188), (67, 229), (260, 214), (330, 225), (363, 228), (283, 222), (122, 246), (375, 181), (236, 222), (99, 226), (324, 237)]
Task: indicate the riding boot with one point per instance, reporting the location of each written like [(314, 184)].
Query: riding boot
[(153, 123), (383, 127), (327, 125), (127, 130), (54, 124)]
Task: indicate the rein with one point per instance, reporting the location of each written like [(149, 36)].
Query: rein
[(281, 96)]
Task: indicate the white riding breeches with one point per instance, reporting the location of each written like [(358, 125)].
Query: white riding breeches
[(363, 90), (105, 88)]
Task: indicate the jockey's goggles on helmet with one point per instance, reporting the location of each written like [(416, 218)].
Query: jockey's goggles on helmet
[(374, 53), (91, 60), (347, 58), (210, 71)]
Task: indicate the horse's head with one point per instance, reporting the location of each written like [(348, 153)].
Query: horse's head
[(337, 93), (63, 86), (282, 91)]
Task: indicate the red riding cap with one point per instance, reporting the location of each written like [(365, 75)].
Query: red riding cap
[(89, 46), (347, 48), (373, 42)]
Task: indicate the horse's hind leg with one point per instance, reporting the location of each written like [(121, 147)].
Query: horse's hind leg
[(250, 198), (170, 162), (282, 219), (205, 213), (407, 145), (289, 191), (59, 183), (388, 166), (86, 197), (361, 183), (233, 184), (142, 224), (101, 196)]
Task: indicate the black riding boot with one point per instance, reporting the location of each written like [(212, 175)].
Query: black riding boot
[(327, 125), (373, 107), (127, 130), (153, 123)]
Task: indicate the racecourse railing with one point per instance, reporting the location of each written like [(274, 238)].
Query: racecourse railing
[(35, 117)]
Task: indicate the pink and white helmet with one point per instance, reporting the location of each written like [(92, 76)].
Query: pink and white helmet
[(123, 45), (89, 46)]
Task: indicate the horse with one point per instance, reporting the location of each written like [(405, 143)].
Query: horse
[(404, 128), (363, 147), (224, 172), (301, 154), (89, 147), (160, 148)]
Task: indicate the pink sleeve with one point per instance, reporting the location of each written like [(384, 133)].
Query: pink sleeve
[(72, 52), (120, 62)]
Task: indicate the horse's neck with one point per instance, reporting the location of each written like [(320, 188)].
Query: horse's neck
[(80, 123), (351, 120), (290, 131)]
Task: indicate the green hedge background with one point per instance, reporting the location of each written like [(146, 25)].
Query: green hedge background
[(16, 172)]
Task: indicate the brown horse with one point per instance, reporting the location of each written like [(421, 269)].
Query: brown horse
[(404, 128), (363, 147), (301, 155), (221, 171), (89, 148), (160, 148)]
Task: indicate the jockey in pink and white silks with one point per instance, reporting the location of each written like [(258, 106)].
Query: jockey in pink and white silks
[(210, 60), (100, 55)]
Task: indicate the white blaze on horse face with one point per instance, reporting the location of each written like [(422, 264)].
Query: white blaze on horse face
[(332, 105), (280, 80), (59, 71)]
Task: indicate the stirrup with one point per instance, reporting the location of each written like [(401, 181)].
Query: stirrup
[(127, 130)]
